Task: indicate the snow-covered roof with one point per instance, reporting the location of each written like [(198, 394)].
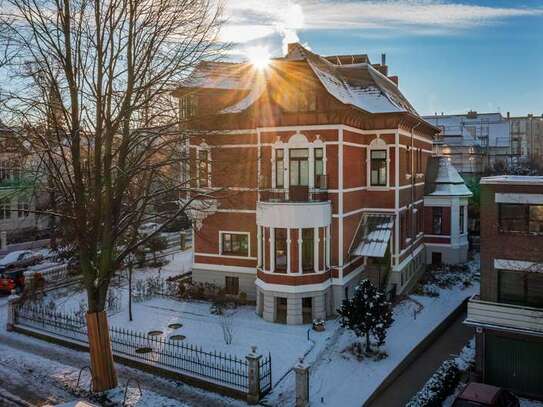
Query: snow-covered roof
[(442, 179), (220, 75), (373, 235), (358, 84), (513, 179)]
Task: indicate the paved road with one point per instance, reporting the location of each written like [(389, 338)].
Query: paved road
[(415, 376)]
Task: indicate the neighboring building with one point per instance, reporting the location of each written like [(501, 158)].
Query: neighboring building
[(17, 195), (508, 314), (445, 213), (527, 137), (321, 162), (474, 141)]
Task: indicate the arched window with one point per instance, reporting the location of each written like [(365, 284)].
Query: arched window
[(378, 163)]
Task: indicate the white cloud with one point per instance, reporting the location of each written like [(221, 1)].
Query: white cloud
[(253, 19)]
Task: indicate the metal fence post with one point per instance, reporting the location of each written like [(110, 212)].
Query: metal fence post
[(3, 240), (13, 301), (301, 371), (253, 363)]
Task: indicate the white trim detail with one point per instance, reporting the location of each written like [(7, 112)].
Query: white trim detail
[(227, 269), (518, 265), (293, 289), (528, 199)]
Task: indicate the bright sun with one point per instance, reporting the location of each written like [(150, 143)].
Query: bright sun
[(258, 56)]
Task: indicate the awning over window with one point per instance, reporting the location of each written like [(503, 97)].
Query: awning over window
[(372, 236)]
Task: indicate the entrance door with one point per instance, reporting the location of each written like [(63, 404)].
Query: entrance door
[(516, 364), (436, 259), (281, 310), (307, 310)]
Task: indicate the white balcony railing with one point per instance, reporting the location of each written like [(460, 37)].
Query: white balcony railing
[(504, 316)]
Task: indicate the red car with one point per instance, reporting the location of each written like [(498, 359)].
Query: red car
[(482, 395), (12, 280)]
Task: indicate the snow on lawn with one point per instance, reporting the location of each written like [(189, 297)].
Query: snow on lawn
[(338, 378), (285, 343)]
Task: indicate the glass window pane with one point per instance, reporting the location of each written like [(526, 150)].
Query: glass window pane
[(536, 218), (378, 154), (294, 173), (511, 287), (299, 153), (304, 173), (280, 249), (318, 153), (307, 249), (534, 289)]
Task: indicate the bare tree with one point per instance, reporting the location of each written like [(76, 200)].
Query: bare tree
[(91, 95)]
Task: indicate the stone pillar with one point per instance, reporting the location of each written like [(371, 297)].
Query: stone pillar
[(294, 310), (288, 251), (300, 241), (253, 364), (272, 249), (268, 307), (301, 371), (259, 246), (319, 307), (3, 240), (13, 301)]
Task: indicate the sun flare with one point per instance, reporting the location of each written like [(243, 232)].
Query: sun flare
[(259, 57)]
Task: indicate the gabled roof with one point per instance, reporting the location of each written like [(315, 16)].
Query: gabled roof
[(442, 179), (357, 84)]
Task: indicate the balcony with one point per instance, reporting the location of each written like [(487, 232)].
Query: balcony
[(294, 194), (507, 317)]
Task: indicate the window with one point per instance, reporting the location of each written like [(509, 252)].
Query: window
[(231, 285), (4, 171), (299, 166), (203, 168), (320, 181), (5, 209), (520, 288), (280, 249), (188, 106), (307, 249), (437, 220), (461, 220), (536, 219), (520, 218), (279, 168), (235, 244), (22, 208), (378, 167)]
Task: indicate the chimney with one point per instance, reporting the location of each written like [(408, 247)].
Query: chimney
[(508, 115), (291, 46), (383, 59)]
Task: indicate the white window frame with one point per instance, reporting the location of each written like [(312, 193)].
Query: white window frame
[(235, 232), (203, 147), (380, 145), (296, 141)]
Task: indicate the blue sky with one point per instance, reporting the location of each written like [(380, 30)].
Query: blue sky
[(450, 56)]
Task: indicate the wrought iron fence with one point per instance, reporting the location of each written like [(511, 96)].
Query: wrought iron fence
[(171, 354), (265, 370)]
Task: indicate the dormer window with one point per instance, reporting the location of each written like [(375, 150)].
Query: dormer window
[(378, 168)]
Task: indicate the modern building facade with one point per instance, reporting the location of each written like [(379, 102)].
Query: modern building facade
[(474, 141), (508, 314), (320, 165)]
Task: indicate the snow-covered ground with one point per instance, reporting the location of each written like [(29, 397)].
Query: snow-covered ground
[(338, 378)]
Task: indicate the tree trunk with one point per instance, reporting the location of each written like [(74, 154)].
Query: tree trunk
[(102, 366), (130, 291)]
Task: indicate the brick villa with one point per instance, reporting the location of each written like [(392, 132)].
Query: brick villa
[(322, 166)]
